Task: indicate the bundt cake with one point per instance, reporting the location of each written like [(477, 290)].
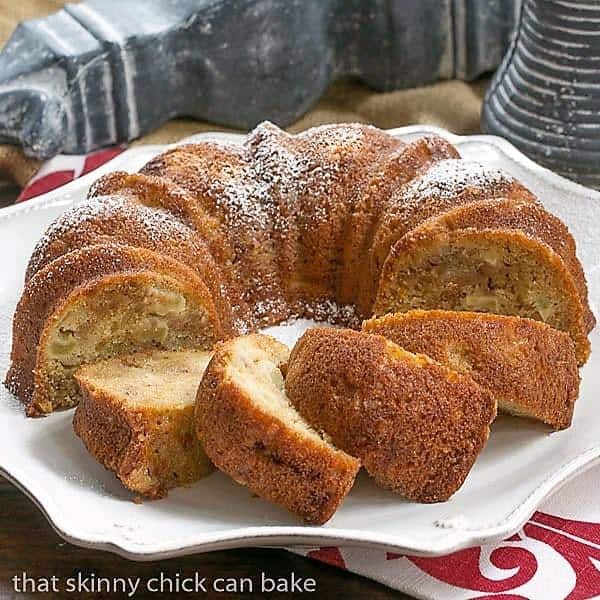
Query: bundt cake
[(337, 223), (136, 417), (530, 368), (251, 431), (416, 426)]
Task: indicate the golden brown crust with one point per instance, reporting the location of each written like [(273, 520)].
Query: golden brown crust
[(259, 450), (416, 426), (150, 449), (157, 193), (410, 252), (394, 169), (50, 287), (530, 368)]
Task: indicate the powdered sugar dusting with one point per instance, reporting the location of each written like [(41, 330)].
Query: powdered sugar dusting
[(448, 178), (329, 311), (336, 134), (236, 197), (445, 184), (279, 168), (157, 224)]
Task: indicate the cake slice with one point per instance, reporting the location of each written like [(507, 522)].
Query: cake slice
[(100, 302), (499, 271), (530, 368), (416, 426), (443, 186), (252, 433), (125, 219), (530, 218), (136, 417)]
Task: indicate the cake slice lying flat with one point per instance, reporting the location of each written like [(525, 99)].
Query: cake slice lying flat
[(529, 367), (251, 432), (416, 425), (136, 418)]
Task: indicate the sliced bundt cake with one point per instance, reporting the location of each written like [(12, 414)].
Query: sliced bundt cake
[(336, 223), (416, 426), (530, 368), (250, 431), (136, 417)]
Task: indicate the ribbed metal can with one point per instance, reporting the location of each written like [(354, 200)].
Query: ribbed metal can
[(545, 96)]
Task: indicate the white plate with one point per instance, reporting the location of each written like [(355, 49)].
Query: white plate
[(520, 466)]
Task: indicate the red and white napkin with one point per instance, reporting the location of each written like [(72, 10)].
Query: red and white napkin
[(556, 556)]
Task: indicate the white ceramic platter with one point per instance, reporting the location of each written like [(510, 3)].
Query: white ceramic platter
[(521, 465)]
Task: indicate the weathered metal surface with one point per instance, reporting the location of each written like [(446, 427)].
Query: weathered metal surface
[(107, 71)]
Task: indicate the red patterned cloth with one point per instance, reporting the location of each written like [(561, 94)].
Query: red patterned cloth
[(555, 556), (62, 169)]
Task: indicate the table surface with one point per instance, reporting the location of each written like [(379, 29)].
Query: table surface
[(8, 193), (28, 543)]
